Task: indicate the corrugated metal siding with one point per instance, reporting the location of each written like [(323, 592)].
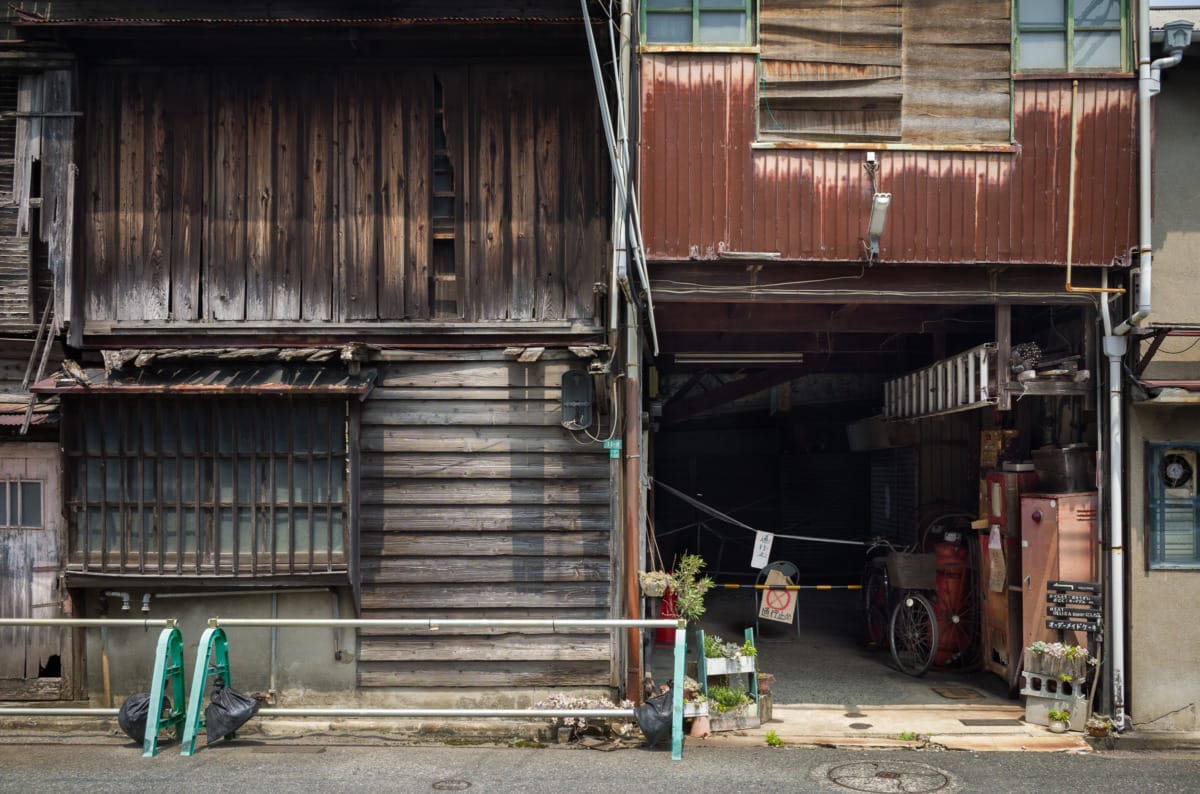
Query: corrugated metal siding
[(894, 494), (476, 503), (705, 189), (949, 470)]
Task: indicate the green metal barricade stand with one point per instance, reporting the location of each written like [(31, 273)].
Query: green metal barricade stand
[(168, 666), (212, 659)]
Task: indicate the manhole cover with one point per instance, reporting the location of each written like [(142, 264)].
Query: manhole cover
[(860, 726), (451, 785), (902, 777), (854, 714), (285, 749)]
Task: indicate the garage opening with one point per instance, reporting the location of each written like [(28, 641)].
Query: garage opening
[(840, 445)]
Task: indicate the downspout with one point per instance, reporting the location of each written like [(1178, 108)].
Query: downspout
[(1116, 345)]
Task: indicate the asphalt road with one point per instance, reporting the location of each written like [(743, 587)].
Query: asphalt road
[(251, 766)]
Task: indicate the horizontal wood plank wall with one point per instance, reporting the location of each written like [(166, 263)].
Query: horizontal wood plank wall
[(303, 195), (476, 503)]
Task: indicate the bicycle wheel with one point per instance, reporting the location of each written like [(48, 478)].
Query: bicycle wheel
[(875, 605), (913, 634)]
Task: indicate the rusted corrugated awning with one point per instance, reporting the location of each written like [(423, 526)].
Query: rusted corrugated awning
[(213, 380)]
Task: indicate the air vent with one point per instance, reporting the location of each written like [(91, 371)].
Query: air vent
[(1178, 473)]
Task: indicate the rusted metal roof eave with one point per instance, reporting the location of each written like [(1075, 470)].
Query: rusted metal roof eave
[(215, 381)]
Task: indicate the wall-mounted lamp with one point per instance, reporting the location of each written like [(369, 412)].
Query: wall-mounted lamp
[(880, 203)]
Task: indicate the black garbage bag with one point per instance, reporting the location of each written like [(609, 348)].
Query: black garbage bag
[(135, 715), (654, 717), (228, 711)]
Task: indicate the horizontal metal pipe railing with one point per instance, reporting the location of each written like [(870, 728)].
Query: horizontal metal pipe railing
[(353, 712), (52, 711), (147, 623), (434, 623)]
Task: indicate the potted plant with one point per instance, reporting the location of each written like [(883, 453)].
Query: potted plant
[(1099, 727), (689, 587), (1059, 718), (654, 583), (727, 658)]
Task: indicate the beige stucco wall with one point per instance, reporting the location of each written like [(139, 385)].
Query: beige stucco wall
[(1176, 227), (1164, 637)]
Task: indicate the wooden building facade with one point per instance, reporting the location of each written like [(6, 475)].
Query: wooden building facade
[(321, 272)]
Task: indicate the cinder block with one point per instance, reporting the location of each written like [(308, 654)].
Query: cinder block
[(1048, 686), (1037, 710)]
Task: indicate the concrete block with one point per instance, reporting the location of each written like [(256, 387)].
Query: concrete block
[(1037, 710)]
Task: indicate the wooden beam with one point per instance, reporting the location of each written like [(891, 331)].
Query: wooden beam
[(685, 409)]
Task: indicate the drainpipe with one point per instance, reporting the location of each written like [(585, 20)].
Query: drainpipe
[(1115, 347)]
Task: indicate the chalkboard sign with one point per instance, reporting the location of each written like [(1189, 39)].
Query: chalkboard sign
[(1071, 625), (1070, 612)]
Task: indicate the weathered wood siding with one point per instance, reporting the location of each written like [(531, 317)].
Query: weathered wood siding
[(299, 195), (35, 663), (476, 503), (16, 307), (905, 70)]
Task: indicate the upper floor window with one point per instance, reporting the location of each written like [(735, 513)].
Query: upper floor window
[(714, 22), (1071, 35)]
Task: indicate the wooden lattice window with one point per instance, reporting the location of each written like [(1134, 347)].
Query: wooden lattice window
[(193, 485)]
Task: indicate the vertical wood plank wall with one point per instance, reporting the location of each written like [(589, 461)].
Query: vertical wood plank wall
[(303, 195), (476, 503)]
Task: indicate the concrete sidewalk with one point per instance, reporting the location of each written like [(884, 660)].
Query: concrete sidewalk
[(952, 727)]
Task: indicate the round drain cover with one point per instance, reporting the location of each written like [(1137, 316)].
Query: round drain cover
[(854, 714), (451, 785), (902, 777), (860, 726)]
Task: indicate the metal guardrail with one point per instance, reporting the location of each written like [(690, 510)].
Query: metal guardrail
[(215, 641), (168, 667)]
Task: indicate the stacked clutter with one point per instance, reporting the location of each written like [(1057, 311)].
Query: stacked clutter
[(1055, 678)]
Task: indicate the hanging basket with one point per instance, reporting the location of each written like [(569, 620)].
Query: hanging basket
[(654, 583)]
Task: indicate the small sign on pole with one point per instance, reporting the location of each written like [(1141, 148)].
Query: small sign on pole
[(762, 549)]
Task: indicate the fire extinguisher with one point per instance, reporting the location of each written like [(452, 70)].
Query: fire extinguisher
[(953, 567)]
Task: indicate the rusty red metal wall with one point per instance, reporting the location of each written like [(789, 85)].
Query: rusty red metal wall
[(705, 189)]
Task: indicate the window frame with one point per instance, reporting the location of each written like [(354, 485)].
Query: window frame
[(7, 484), (1157, 501), (1069, 29), (200, 478), (693, 7)]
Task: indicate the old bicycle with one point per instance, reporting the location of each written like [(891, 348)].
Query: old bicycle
[(896, 587)]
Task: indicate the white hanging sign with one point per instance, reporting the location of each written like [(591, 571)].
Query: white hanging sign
[(762, 549)]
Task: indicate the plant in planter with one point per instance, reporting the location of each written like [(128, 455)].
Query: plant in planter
[(1099, 726), (728, 702), (1058, 720), (1058, 660), (689, 587), (654, 583)]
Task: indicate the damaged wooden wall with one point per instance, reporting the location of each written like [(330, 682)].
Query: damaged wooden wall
[(917, 71), (476, 503), (306, 194)]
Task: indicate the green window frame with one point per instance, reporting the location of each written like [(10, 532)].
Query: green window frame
[(1080, 39), (1173, 506), (698, 23)]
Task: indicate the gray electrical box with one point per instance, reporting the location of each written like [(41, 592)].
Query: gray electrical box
[(577, 399)]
